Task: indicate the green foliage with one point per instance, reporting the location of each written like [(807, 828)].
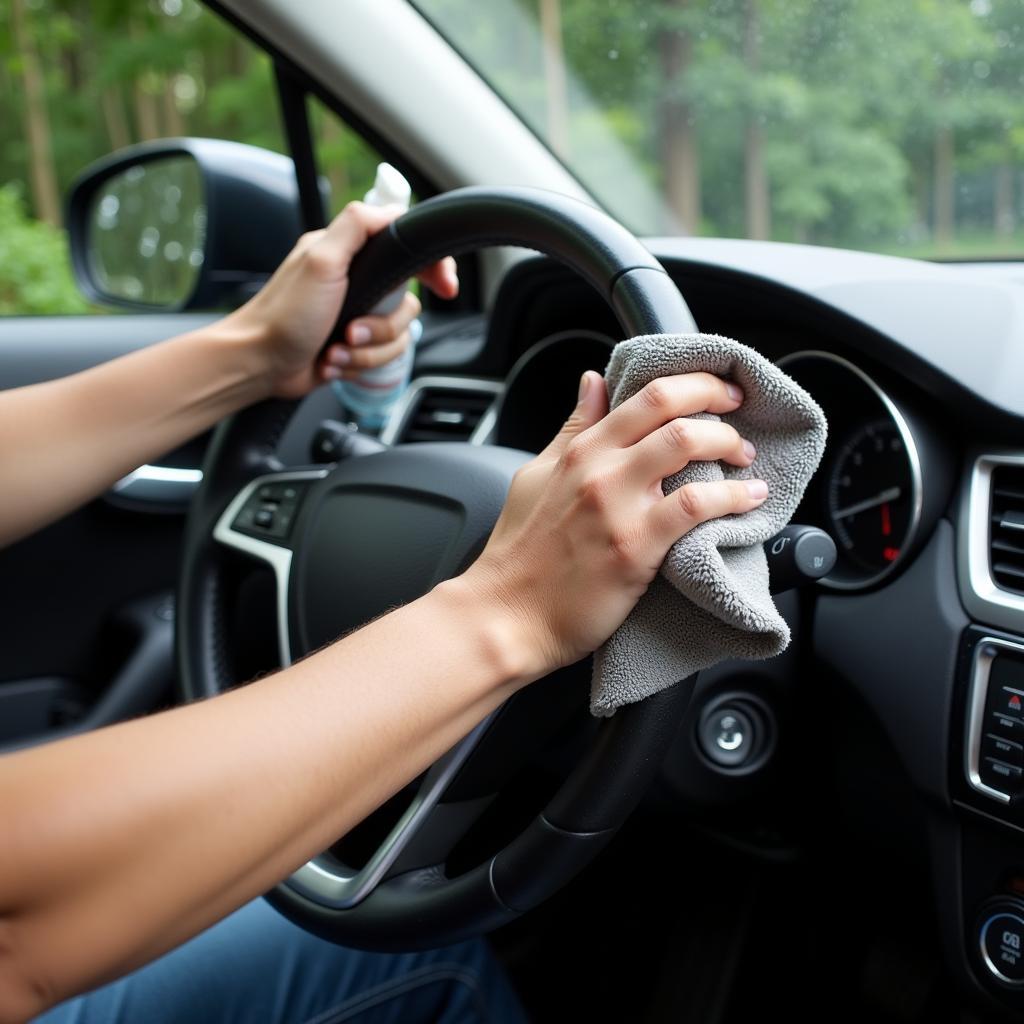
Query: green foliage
[(896, 125), (34, 273), (117, 72), (849, 96)]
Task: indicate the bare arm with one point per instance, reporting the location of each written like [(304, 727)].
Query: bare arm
[(66, 441), (120, 844), (178, 819)]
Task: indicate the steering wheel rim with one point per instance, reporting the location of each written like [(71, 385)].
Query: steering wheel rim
[(423, 908)]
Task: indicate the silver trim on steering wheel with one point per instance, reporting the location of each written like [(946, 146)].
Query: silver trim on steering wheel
[(279, 558), (322, 879)]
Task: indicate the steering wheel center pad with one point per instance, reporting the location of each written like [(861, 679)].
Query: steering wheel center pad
[(381, 530)]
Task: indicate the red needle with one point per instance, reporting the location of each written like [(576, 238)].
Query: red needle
[(886, 523)]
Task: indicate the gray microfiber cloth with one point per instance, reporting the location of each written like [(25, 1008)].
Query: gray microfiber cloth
[(710, 601)]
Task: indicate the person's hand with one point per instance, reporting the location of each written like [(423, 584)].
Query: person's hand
[(289, 319), (587, 524)]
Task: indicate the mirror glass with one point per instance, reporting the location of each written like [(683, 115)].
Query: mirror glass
[(147, 231)]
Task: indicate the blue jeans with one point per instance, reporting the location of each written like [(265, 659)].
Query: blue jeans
[(255, 966)]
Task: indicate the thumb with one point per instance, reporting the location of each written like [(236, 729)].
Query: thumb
[(591, 406)]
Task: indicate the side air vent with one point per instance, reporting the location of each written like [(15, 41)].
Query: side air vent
[(1006, 537), (443, 409)]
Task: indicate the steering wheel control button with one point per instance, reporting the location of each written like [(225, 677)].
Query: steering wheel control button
[(736, 733), (1002, 946), (1000, 749), (270, 511)]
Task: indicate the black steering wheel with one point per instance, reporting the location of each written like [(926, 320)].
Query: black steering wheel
[(348, 541)]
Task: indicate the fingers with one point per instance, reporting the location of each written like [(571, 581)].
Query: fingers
[(679, 512), (341, 362), (680, 441), (349, 231), (664, 399), (327, 253), (380, 329), (591, 406), (441, 278), (356, 223), (372, 340)]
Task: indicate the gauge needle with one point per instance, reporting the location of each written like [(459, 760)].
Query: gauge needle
[(879, 499)]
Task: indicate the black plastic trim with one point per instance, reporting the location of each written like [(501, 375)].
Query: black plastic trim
[(295, 117)]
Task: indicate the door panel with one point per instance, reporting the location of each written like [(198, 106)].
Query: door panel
[(85, 602), (38, 348)]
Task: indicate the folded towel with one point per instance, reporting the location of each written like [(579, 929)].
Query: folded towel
[(710, 600)]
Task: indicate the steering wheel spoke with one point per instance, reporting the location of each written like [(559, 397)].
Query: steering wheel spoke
[(260, 522), (423, 836)]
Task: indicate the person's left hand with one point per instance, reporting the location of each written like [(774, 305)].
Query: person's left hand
[(291, 316)]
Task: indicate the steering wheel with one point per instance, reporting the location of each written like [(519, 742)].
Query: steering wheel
[(348, 541)]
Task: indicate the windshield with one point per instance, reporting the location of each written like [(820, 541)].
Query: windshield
[(893, 125)]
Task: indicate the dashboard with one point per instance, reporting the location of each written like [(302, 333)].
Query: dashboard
[(900, 703)]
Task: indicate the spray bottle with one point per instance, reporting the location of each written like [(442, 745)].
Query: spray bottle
[(371, 396)]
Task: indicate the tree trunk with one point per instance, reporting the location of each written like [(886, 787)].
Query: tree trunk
[(755, 178), (238, 56), (943, 197), (72, 60), (921, 185), (555, 80), (42, 173), (144, 102), (147, 117), (1004, 217), (331, 135), (114, 118), (174, 123), (680, 156)]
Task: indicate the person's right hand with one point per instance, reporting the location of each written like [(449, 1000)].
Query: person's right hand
[(587, 525)]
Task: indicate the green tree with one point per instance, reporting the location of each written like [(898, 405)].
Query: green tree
[(35, 276)]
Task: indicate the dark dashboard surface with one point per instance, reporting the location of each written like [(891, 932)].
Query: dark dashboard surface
[(919, 370)]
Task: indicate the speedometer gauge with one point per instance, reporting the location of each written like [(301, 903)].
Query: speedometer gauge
[(870, 496), (868, 493)]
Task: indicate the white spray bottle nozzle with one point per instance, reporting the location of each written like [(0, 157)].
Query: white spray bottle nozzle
[(389, 188)]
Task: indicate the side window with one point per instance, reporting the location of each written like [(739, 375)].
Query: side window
[(81, 80), (344, 157)]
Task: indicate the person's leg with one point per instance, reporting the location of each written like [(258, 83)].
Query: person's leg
[(255, 966)]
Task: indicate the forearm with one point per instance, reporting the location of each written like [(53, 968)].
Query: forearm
[(65, 441), (121, 844)]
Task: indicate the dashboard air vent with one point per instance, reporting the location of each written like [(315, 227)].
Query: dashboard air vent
[(445, 414), (1006, 543)]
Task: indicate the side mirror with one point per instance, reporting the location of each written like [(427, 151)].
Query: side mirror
[(182, 223)]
